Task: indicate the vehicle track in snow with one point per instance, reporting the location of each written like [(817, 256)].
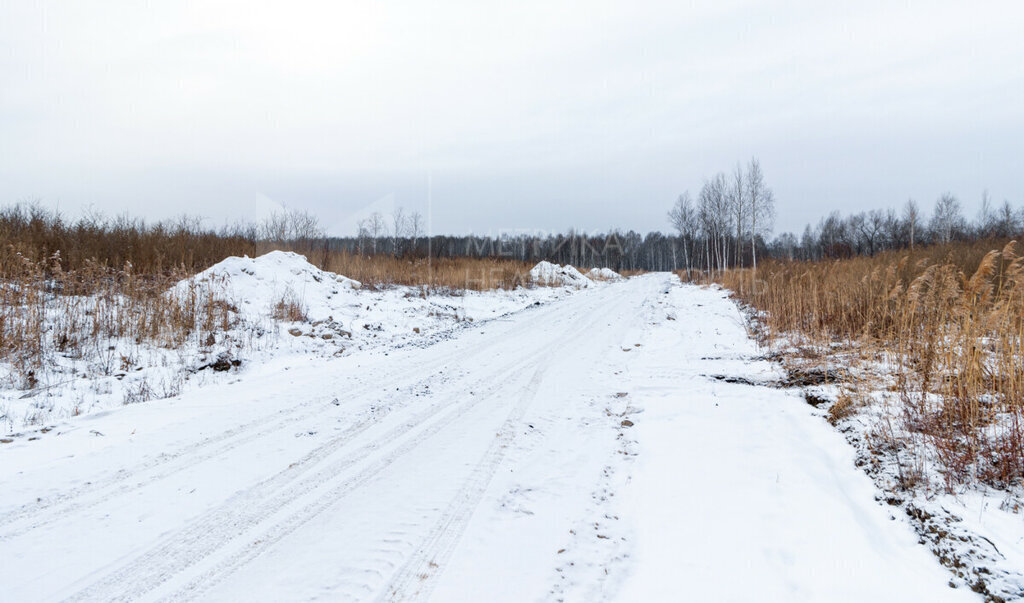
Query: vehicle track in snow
[(249, 510), (463, 484), (420, 570), (44, 511), (415, 578)]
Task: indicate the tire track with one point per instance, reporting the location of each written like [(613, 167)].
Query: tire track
[(216, 575), (417, 576), (124, 481), (257, 504)]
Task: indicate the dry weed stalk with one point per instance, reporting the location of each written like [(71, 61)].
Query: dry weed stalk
[(948, 322)]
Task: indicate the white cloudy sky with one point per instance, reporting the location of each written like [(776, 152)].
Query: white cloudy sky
[(532, 115)]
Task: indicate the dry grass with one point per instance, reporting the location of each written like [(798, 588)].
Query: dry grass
[(46, 312), (33, 233), (475, 274), (947, 322), (76, 291), (629, 273), (289, 308)]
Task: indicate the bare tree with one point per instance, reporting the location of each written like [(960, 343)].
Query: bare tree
[(683, 219), (762, 206), (912, 219), (948, 220), (987, 219), (397, 230), (784, 246), (304, 226), (292, 225), (716, 221), (362, 233), (377, 228), (1007, 224), (737, 198), (810, 244), (416, 228), (871, 228)]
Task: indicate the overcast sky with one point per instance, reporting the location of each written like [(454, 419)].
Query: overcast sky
[(513, 115)]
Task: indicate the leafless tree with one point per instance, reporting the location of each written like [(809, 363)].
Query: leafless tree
[(785, 246), (1007, 224), (293, 225), (762, 206), (739, 206), (377, 228), (415, 228), (987, 219), (912, 219), (398, 226), (716, 221), (683, 219), (947, 221), (871, 227), (363, 233)]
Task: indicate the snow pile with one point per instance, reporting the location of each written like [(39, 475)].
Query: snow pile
[(278, 306), (553, 275), (256, 285), (604, 274)]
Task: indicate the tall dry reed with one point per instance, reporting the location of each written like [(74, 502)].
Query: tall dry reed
[(947, 325), (435, 274)]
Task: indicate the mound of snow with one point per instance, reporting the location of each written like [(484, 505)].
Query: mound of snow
[(256, 285), (553, 275), (604, 274)]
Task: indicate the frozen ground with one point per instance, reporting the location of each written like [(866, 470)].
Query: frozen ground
[(573, 450)]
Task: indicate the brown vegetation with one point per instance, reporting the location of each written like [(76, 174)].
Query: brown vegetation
[(46, 311), (945, 323), (289, 308), (435, 274), (74, 289), (32, 233)]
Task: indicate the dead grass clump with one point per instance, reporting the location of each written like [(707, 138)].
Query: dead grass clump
[(289, 308), (433, 274), (843, 407), (946, 321)]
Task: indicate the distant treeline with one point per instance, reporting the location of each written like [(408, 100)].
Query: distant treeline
[(728, 225), (618, 250), (867, 233)]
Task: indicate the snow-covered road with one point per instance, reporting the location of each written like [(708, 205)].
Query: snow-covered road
[(575, 450)]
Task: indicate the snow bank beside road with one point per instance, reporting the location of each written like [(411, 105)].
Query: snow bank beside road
[(341, 314), (553, 275), (604, 274), (340, 318), (255, 285)]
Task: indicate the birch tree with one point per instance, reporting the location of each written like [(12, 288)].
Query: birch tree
[(683, 219), (912, 219), (762, 206), (740, 206)]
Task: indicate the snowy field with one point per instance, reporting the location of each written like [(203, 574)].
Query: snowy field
[(566, 444), (341, 318)]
